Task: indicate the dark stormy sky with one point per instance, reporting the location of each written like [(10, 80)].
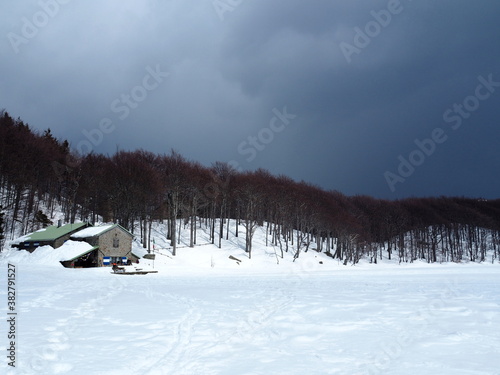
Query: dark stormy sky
[(384, 98)]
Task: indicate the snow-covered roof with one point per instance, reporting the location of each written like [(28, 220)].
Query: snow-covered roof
[(93, 231), (47, 255), (71, 250), (50, 233)]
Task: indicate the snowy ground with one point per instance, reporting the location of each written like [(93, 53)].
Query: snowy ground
[(202, 313)]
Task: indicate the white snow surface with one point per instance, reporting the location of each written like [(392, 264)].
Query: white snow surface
[(92, 231), (48, 256), (204, 313)]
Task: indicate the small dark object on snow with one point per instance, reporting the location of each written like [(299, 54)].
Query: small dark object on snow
[(236, 259), (117, 269)]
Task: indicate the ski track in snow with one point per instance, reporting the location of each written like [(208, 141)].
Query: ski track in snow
[(53, 355), (187, 345), (54, 324), (170, 359)]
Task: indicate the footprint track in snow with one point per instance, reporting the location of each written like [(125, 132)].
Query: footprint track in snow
[(49, 358), (175, 356)]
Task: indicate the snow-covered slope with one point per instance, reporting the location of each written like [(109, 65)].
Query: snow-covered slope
[(415, 319), (208, 257), (204, 313)]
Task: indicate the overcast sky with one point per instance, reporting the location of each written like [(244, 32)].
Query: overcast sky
[(384, 98)]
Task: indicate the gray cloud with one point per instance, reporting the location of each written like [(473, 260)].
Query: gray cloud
[(226, 76)]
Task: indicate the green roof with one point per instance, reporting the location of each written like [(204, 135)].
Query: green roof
[(82, 254), (53, 232)]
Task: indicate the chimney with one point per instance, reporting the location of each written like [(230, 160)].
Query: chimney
[(59, 223)]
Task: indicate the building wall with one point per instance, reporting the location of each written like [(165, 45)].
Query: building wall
[(58, 242), (94, 241), (106, 242), (61, 240), (33, 245)]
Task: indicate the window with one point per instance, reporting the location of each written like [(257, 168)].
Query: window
[(116, 242)]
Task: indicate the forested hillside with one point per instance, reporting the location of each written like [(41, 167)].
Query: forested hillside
[(39, 173)]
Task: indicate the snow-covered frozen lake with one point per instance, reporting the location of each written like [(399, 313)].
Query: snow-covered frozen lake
[(367, 319)]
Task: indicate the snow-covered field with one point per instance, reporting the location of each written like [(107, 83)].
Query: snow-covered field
[(202, 313)]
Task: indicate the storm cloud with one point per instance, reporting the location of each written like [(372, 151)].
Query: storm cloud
[(384, 98)]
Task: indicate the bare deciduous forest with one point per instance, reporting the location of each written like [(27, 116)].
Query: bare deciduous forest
[(39, 173)]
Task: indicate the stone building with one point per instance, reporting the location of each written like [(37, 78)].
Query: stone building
[(112, 241)]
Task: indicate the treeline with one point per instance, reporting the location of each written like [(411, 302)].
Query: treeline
[(39, 173)]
